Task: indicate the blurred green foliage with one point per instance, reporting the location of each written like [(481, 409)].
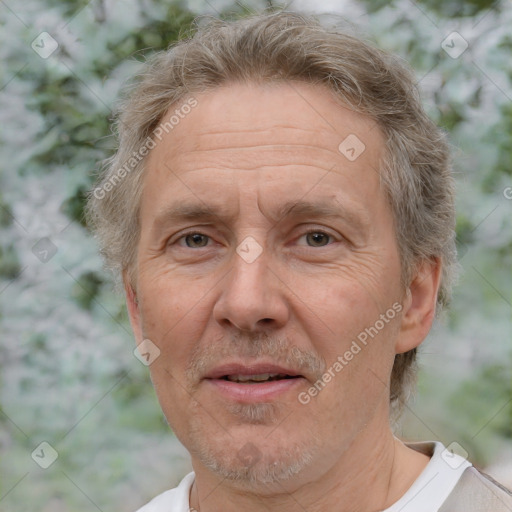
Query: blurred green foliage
[(68, 373)]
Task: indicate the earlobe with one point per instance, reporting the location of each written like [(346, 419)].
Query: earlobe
[(419, 306), (132, 305)]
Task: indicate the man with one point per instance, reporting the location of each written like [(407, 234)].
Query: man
[(281, 212)]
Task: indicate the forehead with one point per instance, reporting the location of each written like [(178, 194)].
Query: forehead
[(289, 131), (310, 113)]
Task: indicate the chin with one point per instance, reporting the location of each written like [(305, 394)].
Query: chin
[(251, 466), (252, 453)]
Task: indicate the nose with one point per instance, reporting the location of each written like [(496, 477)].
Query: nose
[(253, 297)]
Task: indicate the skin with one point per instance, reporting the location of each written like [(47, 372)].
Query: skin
[(248, 149)]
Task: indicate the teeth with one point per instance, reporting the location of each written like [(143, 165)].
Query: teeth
[(262, 377)]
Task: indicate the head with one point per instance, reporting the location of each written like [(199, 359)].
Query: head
[(236, 149)]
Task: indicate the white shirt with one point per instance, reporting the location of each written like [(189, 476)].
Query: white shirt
[(427, 494)]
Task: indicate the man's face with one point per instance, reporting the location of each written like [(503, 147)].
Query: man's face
[(293, 257)]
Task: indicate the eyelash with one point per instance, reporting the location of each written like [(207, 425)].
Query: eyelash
[(316, 231)]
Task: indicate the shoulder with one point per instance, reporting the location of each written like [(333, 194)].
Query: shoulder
[(450, 483), (478, 492), (174, 500)]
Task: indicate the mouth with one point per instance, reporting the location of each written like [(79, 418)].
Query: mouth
[(258, 378), (253, 382), (252, 372)]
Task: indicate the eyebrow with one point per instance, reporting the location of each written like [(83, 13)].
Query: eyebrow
[(188, 212), (324, 209)]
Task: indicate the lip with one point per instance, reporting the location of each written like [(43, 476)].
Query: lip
[(260, 392), (254, 392)]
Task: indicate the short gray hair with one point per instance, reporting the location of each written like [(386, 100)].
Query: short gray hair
[(284, 46)]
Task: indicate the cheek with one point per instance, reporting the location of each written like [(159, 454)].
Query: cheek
[(347, 329), (339, 309), (174, 322), (173, 316), (165, 298)]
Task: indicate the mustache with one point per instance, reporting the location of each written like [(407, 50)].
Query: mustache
[(252, 346)]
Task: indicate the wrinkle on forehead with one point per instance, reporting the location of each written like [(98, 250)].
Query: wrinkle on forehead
[(246, 116), (288, 136)]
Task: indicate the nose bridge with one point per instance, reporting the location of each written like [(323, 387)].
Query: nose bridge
[(250, 269), (251, 295)]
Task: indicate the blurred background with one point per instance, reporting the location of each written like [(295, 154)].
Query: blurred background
[(68, 376)]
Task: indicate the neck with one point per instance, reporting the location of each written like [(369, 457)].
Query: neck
[(372, 474)]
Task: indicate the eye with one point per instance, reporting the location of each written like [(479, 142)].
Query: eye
[(194, 240), (316, 238)]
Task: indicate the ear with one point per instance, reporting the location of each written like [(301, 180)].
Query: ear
[(133, 307), (419, 305)]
